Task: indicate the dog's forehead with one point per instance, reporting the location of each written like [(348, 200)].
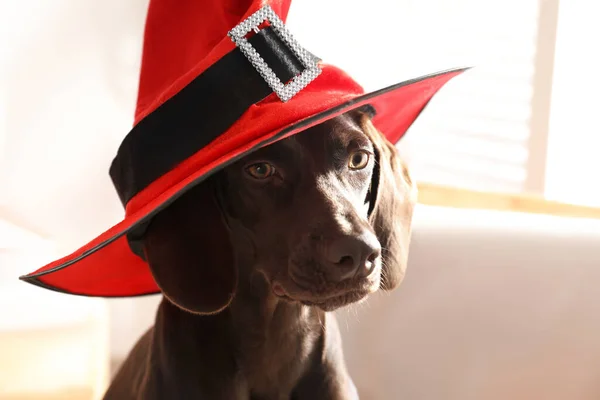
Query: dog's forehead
[(334, 135), (343, 125), (336, 132)]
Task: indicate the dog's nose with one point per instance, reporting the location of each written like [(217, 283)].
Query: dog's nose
[(348, 256)]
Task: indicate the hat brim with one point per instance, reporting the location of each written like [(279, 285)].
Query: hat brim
[(107, 266)]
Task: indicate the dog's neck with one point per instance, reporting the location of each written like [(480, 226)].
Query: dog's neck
[(271, 342), (258, 312), (266, 328), (272, 333)]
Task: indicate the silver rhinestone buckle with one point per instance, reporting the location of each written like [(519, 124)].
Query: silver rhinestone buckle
[(299, 82)]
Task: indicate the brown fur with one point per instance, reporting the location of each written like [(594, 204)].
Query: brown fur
[(250, 268)]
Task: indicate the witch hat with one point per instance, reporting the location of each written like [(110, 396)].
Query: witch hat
[(219, 79)]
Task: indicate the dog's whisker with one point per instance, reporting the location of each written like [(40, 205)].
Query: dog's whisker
[(356, 316)]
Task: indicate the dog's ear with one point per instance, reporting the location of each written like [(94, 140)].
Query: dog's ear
[(188, 248), (392, 198)]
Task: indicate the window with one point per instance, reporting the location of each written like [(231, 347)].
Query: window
[(574, 136), (521, 122), (476, 132)]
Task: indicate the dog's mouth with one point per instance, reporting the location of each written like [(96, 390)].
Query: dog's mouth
[(336, 302), (327, 302)]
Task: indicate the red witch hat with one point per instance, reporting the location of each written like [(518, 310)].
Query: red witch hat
[(219, 79)]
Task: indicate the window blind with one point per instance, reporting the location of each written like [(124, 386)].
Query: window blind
[(475, 133)]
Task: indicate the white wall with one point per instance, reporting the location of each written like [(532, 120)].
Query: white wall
[(69, 77)]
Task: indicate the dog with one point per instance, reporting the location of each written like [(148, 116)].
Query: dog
[(252, 261)]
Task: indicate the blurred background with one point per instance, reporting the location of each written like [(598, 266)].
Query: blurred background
[(501, 297)]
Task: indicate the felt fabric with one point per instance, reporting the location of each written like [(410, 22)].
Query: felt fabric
[(183, 39), (226, 89), (181, 42)]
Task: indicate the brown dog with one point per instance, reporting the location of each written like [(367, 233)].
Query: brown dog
[(251, 261)]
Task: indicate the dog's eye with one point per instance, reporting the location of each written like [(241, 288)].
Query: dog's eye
[(261, 170), (359, 159)]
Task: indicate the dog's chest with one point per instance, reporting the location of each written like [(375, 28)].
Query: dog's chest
[(275, 353)]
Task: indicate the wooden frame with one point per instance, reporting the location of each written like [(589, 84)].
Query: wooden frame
[(539, 123), (437, 195)]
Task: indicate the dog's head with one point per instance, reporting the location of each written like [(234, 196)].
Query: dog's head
[(323, 218)]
